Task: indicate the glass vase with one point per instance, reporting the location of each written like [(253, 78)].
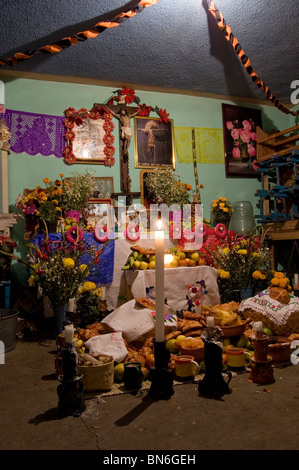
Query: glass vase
[(59, 317), (242, 220)]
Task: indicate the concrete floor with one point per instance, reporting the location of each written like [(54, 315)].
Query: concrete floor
[(251, 417)]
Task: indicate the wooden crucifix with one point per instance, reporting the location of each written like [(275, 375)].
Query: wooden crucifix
[(124, 114)]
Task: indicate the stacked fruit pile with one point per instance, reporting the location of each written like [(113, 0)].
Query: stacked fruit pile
[(141, 258)]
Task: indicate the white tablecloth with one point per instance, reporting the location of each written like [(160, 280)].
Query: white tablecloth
[(117, 292), (176, 281)]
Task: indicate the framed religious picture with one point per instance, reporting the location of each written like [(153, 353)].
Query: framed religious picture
[(100, 210), (103, 187), (239, 133), (154, 143), (89, 136)]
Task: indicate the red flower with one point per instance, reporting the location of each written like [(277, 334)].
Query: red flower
[(70, 112), (144, 110), (108, 139), (69, 157), (109, 160), (163, 115), (108, 126), (68, 124), (129, 94), (78, 120), (69, 135)]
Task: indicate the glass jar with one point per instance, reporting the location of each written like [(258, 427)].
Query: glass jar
[(242, 220)]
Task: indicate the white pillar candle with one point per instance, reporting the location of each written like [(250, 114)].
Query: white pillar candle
[(159, 275), (103, 293), (71, 306), (210, 322), (69, 334)]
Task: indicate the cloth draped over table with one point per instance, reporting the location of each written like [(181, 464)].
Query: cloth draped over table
[(35, 133), (221, 23), (177, 283), (209, 147), (101, 273)]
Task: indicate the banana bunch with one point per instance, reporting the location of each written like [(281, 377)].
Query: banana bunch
[(79, 345)]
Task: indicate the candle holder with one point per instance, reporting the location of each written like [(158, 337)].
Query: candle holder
[(70, 390), (213, 383), (161, 375)]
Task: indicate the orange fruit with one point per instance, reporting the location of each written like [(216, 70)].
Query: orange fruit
[(150, 360)]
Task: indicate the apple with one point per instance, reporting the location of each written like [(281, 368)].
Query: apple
[(195, 256), (182, 255)]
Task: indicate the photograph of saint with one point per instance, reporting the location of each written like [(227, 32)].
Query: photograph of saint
[(153, 143)]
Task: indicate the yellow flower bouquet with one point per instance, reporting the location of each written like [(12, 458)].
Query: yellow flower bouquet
[(221, 210), (242, 262)]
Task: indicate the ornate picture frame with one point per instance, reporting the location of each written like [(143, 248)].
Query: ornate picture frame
[(89, 136), (154, 143), (239, 133)]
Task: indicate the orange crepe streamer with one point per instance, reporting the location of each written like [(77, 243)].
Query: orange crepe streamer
[(82, 36), (244, 59)]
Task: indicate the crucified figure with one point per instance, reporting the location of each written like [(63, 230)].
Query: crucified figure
[(126, 130)]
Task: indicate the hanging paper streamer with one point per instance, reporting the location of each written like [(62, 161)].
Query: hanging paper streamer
[(35, 133), (244, 59), (82, 36)]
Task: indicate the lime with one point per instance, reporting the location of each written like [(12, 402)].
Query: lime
[(171, 346), (119, 371), (267, 331), (180, 338), (242, 341)]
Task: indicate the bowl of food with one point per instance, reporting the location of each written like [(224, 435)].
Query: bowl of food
[(236, 330), (192, 347), (279, 348)]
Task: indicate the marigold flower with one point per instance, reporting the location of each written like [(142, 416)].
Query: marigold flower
[(223, 274), (31, 281), (68, 263), (275, 281), (242, 252), (88, 286), (279, 275), (46, 180), (82, 267)]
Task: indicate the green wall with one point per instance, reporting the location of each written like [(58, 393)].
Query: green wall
[(51, 97)]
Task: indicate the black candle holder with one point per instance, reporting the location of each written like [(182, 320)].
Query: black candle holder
[(161, 376), (213, 383), (70, 390)]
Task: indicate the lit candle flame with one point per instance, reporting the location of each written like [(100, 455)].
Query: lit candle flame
[(159, 224)]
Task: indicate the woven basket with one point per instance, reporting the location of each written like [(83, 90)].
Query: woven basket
[(96, 378), (286, 329)]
